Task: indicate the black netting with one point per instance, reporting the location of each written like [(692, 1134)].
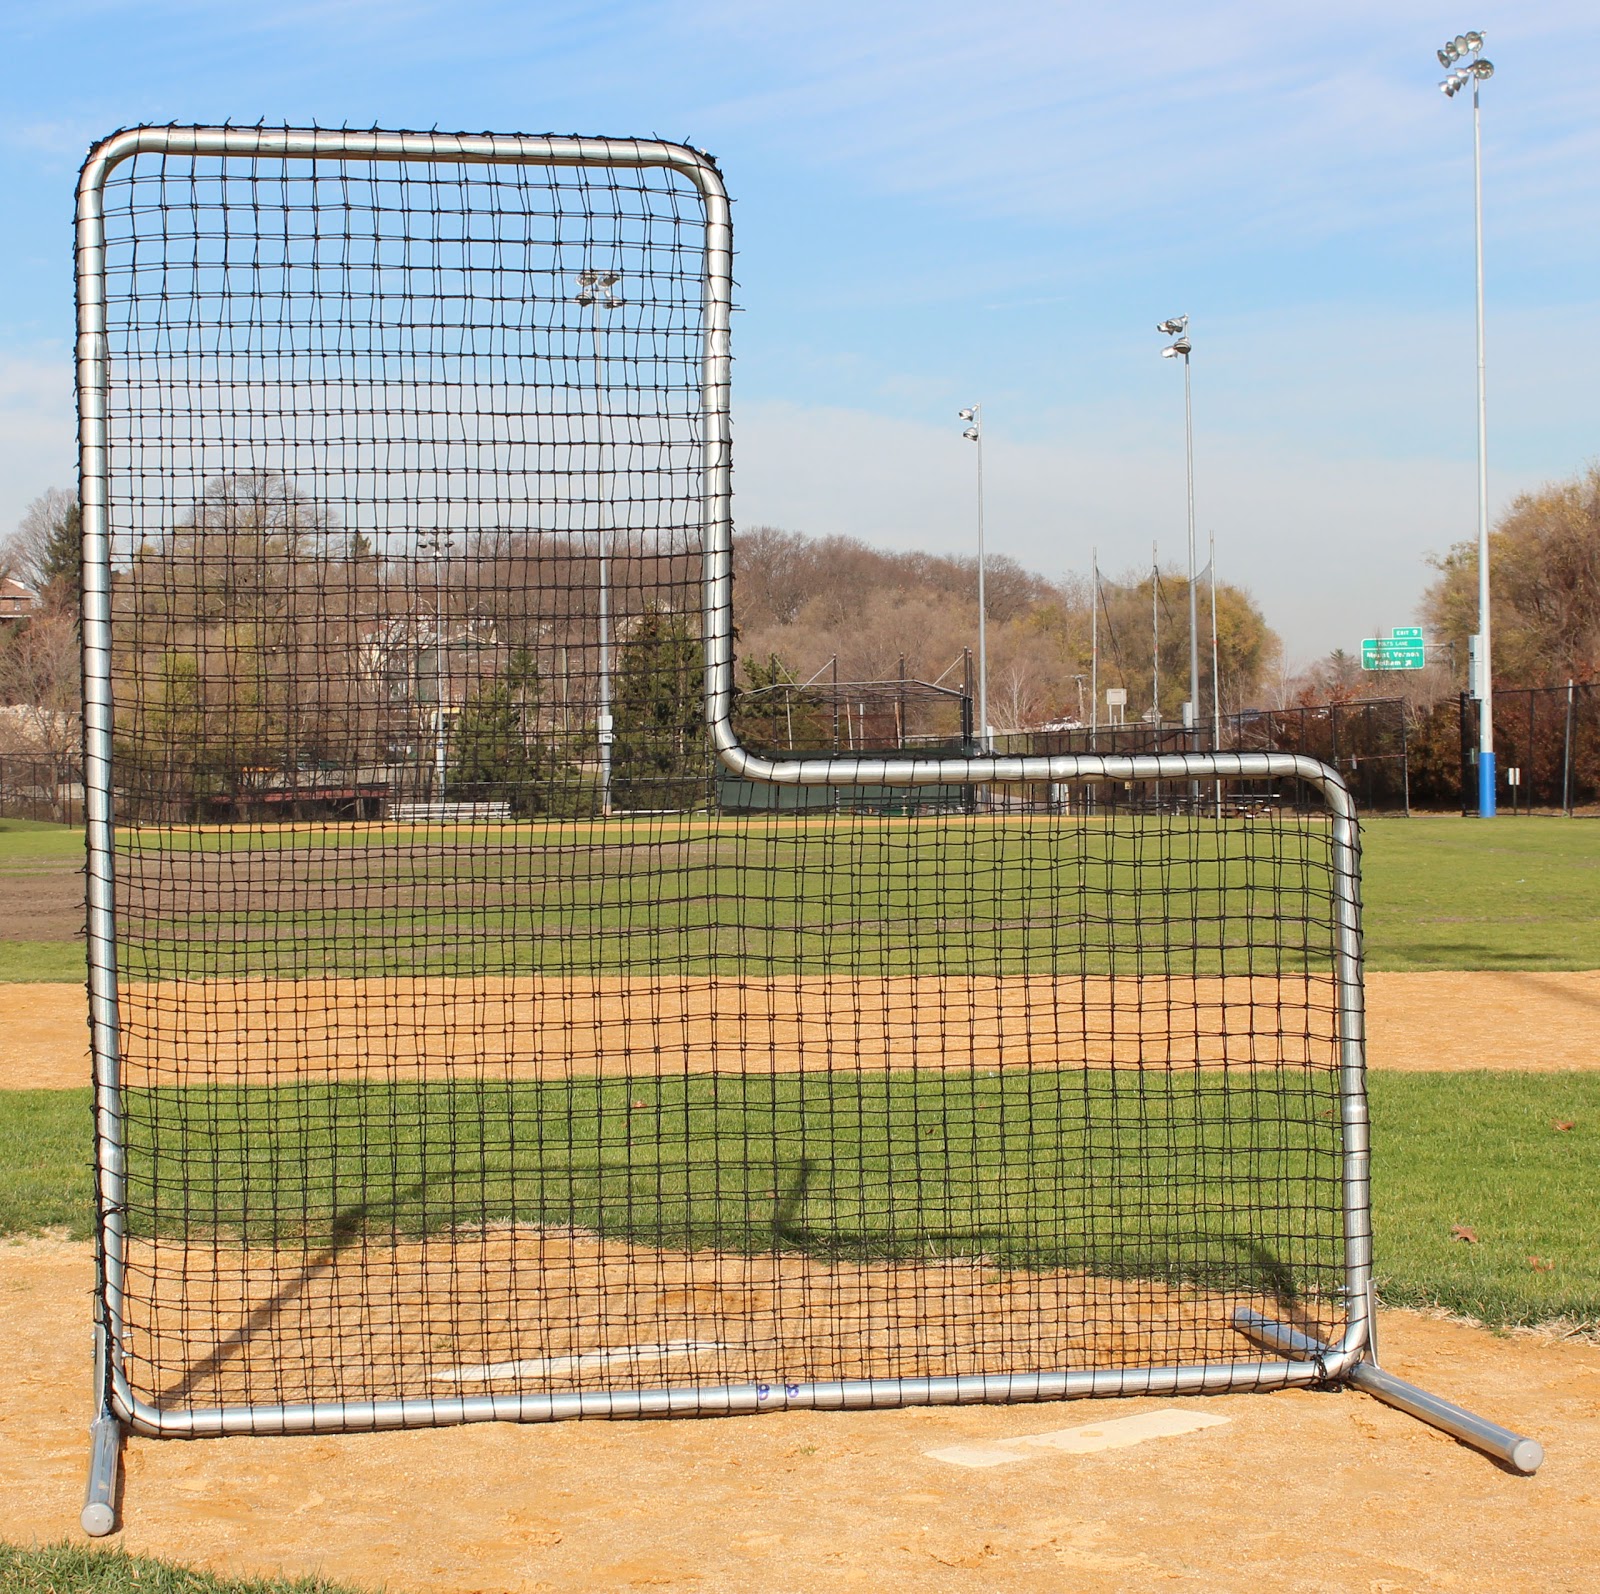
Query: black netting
[(477, 1036)]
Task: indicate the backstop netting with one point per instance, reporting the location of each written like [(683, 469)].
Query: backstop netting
[(469, 1041)]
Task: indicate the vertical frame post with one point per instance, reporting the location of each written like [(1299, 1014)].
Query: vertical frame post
[(99, 821)]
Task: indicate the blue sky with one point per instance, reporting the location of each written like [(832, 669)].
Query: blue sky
[(944, 202)]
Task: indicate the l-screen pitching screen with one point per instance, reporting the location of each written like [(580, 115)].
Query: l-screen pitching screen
[(476, 1036)]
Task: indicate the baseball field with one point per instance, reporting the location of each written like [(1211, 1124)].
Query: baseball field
[(1483, 960)]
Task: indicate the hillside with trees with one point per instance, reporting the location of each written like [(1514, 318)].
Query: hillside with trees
[(804, 601), (258, 640)]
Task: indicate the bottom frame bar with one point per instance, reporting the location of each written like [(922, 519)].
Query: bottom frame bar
[(1517, 1451), (724, 1400)]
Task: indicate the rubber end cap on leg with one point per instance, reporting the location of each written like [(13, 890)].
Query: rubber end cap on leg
[(99, 1519), (1526, 1455)]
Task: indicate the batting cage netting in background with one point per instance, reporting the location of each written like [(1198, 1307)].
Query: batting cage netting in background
[(462, 1046)]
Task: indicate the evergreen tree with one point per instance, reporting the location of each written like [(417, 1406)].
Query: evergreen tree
[(660, 756), (58, 566), (497, 753), (773, 711)]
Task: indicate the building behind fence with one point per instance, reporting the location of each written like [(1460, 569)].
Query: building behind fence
[(40, 788)]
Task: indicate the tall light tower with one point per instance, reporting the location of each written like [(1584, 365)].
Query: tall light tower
[(1177, 328), (1464, 62), (597, 290), (974, 434)]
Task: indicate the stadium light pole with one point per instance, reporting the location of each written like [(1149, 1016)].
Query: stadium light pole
[(1464, 61), (1177, 328), (974, 434), (438, 544), (597, 292)]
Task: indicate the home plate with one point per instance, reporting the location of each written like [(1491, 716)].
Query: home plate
[(584, 1362), (1116, 1434)]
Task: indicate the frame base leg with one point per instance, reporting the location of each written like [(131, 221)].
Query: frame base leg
[(105, 1458), (1516, 1450)]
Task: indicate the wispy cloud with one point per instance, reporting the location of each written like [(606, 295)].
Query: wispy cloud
[(1245, 114), (1328, 545), (941, 201)]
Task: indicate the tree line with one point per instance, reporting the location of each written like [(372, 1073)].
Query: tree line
[(265, 657), (260, 644)]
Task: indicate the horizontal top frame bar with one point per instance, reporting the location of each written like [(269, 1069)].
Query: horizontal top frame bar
[(544, 149)]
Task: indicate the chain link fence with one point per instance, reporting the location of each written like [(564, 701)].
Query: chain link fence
[(1367, 742), (1547, 749), (1396, 758), (40, 788)]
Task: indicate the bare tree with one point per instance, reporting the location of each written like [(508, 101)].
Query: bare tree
[(43, 551)]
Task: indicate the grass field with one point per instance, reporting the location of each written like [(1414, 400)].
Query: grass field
[(1117, 1174), (765, 897), (1473, 1150), (76, 1569), (1440, 893), (1477, 1150), (42, 962), (1461, 894)]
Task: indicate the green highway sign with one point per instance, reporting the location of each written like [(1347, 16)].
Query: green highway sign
[(1393, 653), (1406, 633)]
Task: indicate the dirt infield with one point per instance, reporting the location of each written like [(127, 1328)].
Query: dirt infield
[(1537, 1022), (547, 1027), (519, 1309), (1295, 1491)]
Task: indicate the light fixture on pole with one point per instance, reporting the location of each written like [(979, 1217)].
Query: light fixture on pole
[(1467, 50), (597, 291), (1177, 328), (974, 434), (437, 543)]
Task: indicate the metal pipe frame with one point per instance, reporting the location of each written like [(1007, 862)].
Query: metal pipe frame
[(1514, 1450), (117, 1400), (722, 1400)]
